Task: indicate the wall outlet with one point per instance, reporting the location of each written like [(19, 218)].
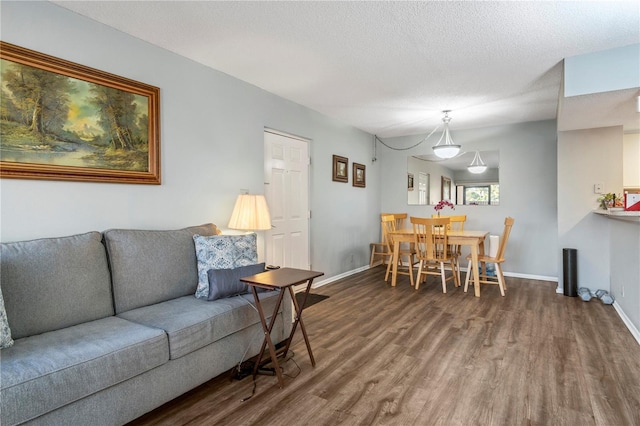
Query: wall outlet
[(598, 188), (622, 291)]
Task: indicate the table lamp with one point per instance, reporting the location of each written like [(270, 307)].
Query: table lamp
[(250, 213)]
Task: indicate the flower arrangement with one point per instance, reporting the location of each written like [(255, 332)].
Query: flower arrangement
[(442, 203), (610, 200)]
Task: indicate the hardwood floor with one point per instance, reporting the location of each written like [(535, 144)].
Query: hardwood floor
[(397, 356)]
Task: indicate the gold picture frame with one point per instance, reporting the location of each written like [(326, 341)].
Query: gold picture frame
[(65, 121), (340, 169)]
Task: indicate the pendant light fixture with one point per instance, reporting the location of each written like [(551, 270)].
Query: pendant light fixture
[(477, 166), (448, 149)]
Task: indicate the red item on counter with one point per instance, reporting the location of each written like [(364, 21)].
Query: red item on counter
[(632, 202)]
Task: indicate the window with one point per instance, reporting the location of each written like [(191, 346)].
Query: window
[(479, 194)]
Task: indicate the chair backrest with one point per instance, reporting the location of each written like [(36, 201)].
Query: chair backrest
[(430, 238), (388, 222), (508, 224), (456, 222), (399, 219)]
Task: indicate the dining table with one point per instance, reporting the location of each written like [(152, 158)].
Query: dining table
[(473, 239)]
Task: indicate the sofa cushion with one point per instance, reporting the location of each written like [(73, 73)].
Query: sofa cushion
[(149, 267), (52, 283), (193, 323), (47, 371), (226, 282), (222, 252)]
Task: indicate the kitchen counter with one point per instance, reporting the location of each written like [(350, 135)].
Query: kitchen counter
[(629, 216)]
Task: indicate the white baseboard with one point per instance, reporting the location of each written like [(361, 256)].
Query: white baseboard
[(527, 276), (329, 280), (531, 277), (625, 319), (364, 268)]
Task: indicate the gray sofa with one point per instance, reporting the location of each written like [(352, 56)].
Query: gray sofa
[(106, 326)]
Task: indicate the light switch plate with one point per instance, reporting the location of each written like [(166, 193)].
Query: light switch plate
[(598, 188)]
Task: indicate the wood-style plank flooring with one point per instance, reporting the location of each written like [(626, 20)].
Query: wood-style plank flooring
[(397, 356)]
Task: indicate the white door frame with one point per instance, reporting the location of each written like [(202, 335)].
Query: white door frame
[(267, 174)]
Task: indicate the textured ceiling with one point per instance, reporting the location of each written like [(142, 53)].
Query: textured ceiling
[(390, 68)]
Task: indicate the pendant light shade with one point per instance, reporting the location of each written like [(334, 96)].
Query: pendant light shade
[(447, 149), (477, 166)]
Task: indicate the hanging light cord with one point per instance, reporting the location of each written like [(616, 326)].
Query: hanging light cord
[(476, 160), (410, 147)]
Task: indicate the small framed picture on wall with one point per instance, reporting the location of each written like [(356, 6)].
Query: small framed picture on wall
[(340, 169), (359, 175)]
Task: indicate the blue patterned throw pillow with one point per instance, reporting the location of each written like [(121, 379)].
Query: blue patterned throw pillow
[(222, 252), (246, 249), (5, 332)]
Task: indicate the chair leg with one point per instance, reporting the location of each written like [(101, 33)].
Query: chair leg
[(443, 278), (455, 270), (419, 277), (504, 283), (500, 278), (456, 278), (373, 254), (386, 276), (466, 279), (411, 270), (399, 264)]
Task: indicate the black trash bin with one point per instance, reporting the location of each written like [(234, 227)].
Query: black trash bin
[(570, 272)]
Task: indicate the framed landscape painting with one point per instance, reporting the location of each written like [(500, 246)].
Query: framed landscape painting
[(64, 121)]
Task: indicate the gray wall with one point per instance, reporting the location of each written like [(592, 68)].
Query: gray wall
[(624, 243), (584, 162), (527, 189), (608, 249), (211, 147)]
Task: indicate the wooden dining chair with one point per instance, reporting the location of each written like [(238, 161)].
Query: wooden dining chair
[(456, 223), (380, 249), (432, 249), (389, 224), (400, 219), (497, 260)]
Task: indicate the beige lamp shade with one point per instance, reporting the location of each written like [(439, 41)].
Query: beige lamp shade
[(250, 213)]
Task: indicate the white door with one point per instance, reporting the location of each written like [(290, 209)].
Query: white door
[(423, 184), (286, 188)]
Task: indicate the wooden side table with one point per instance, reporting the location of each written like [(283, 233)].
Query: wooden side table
[(280, 279)]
